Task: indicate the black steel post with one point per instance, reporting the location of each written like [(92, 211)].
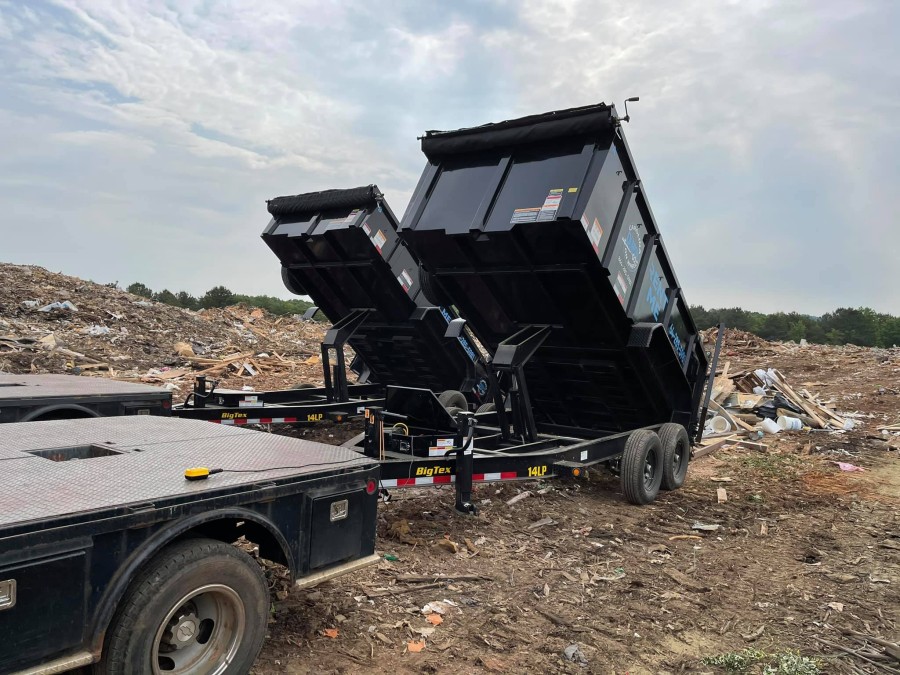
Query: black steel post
[(465, 461), (709, 383), (371, 443), (326, 374)]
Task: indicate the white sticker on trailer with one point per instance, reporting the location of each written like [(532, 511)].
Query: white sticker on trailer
[(378, 239)]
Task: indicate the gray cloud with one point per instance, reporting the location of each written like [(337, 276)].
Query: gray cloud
[(140, 140)]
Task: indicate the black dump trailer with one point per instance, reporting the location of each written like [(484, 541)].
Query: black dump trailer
[(32, 398), (538, 231), (110, 555), (341, 248)]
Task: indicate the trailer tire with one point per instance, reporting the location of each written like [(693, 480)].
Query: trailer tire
[(453, 399), (289, 279), (431, 289), (641, 467), (676, 455), (193, 589)]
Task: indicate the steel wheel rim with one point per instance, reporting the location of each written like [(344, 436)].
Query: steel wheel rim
[(676, 458), (201, 634), (649, 470)]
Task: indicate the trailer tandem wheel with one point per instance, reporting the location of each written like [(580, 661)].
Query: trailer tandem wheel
[(198, 608), (642, 466), (453, 399), (676, 455)]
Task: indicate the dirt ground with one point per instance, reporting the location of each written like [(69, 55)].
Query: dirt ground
[(800, 553), (803, 552)]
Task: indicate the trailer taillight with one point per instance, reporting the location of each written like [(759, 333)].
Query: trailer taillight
[(371, 486)]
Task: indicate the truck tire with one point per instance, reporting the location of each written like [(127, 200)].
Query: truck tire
[(676, 455), (199, 607), (486, 408), (452, 399), (641, 467)]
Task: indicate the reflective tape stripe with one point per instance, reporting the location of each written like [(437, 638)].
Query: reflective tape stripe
[(445, 479), (261, 420)]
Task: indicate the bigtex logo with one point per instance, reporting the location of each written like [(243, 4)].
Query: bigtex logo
[(233, 416), (433, 471)]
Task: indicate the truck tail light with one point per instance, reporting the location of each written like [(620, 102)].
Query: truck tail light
[(371, 486)]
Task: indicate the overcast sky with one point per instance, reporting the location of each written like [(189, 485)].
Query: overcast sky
[(139, 140)]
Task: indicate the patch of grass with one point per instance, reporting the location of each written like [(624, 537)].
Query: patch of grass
[(772, 465), (750, 661)]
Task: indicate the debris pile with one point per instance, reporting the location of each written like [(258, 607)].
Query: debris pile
[(53, 323), (755, 403)]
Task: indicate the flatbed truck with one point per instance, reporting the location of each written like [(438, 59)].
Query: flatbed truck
[(117, 540)]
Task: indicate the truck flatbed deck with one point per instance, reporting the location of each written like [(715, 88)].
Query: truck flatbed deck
[(102, 535), (118, 462), (27, 398)]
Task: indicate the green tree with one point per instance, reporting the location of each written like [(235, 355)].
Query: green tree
[(137, 288), (797, 330), (166, 296), (218, 296), (187, 300)]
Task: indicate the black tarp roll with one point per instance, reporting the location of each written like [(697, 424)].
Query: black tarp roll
[(587, 120), (310, 202)]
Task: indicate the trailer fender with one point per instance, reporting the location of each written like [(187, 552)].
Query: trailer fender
[(77, 411), (218, 524)]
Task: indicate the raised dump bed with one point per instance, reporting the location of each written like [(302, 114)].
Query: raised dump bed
[(541, 225), (341, 248)]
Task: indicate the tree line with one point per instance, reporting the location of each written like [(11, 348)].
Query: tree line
[(220, 296), (861, 326)]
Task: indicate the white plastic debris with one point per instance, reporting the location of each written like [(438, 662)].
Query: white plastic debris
[(65, 306)]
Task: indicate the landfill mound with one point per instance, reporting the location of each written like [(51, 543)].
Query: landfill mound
[(54, 323)]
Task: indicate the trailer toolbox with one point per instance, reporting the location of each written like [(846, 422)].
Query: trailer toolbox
[(539, 231), (341, 248)]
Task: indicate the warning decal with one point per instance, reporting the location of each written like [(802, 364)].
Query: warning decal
[(542, 213), (595, 233), (378, 239), (524, 216), (366, 228), (405, 280), (551, 205), (441, 447)]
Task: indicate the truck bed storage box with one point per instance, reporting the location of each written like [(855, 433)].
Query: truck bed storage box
[(341, 248), (543, 221)]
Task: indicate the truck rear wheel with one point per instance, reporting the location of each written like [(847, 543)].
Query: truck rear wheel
[(200, 607), (676, 455), (641, 467)]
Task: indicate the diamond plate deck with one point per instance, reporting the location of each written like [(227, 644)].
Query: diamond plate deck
[(156, 451), (13, 387)]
